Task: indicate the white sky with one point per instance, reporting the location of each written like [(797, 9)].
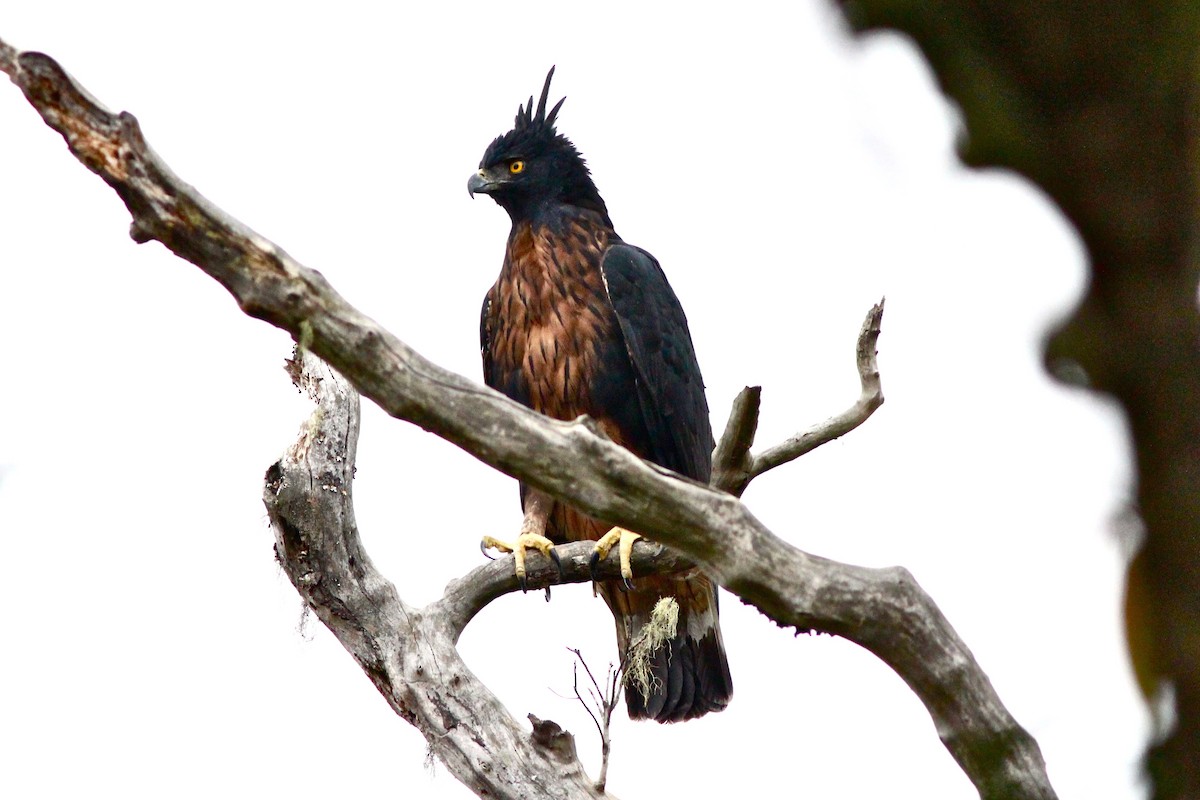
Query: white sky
[(785, 175)]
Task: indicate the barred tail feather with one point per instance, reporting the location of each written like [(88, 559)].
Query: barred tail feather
[(687, 675)]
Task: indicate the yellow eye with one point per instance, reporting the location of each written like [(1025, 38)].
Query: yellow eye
[(516, 167)]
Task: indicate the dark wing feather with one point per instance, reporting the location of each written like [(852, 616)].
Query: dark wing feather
[(669, 386), (485, 344)]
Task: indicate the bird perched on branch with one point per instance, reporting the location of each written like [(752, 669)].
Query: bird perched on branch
[(579, 322)]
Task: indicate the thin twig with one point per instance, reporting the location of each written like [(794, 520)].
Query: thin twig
[(578, 696), (605, 701)]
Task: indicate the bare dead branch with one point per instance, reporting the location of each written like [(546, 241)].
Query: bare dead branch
[(870, 398), (578, 695), (733, 465), (604, 700), (883, 610), (467, 596), (408, 653)]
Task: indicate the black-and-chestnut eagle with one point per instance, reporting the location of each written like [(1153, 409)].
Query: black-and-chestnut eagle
[(579, 322)]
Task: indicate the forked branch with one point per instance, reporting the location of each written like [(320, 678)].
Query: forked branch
[(408, 653), (733, 464), (600, 703)]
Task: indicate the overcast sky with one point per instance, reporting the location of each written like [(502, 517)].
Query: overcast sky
[(786, 175)]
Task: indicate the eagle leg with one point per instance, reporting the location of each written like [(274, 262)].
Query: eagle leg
[(531, 537), (624, 539)]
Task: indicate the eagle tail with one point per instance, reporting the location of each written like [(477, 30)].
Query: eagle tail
[(688, 675)]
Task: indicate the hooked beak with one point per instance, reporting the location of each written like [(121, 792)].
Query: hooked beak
[(480, 183)]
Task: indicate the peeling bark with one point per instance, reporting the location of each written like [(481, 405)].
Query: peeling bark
[(408, 653)]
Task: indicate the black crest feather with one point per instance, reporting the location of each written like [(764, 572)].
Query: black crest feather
[(527, 119), (532, 132), (563, 175)]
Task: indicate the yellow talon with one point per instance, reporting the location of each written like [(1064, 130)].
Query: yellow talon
[(624, 539), (525, 541)]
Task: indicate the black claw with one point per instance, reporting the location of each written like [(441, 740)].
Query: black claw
[(483, 549), (521, 579), (627, 583), (558, 563), (593, 563), (547, 594)]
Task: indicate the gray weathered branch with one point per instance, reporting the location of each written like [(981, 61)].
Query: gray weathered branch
[(733, 464), (884, 610), (409, 653)]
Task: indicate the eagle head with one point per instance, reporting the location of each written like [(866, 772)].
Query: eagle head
[(533, 167)]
